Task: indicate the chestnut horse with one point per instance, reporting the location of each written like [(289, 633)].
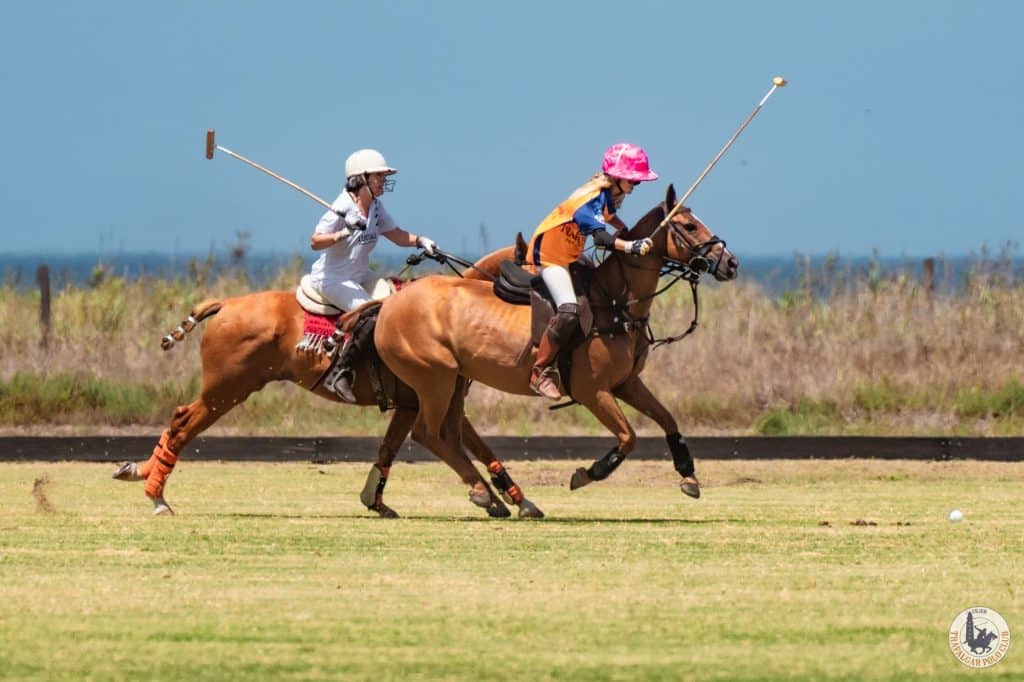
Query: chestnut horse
[(249, 342), (435, 335)]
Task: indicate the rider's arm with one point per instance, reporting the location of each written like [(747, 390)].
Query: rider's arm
[(401, 237), (324, 240), (329, 231), (590, 219), (609, 240)]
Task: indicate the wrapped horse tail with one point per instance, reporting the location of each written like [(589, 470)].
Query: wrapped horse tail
[(200, 312)]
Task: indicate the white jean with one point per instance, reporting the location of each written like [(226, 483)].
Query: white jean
[(559, 283), (346, 295)]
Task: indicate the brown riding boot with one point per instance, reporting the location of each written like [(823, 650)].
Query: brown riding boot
[(543, 377)]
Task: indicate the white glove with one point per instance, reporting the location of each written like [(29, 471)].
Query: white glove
[(427, 244), (353, 221)]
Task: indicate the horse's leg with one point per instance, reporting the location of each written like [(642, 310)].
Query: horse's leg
[(499, 476), (636, 394), (480, 493), (373, 492), (602, 404), (187, 422), (439, 429)]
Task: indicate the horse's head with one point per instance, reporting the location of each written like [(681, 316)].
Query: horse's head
[(686, 240)]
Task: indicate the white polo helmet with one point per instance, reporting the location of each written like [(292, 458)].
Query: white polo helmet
[(367, 161)]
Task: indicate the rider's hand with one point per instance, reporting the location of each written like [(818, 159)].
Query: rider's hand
[(343, 233), (427, 244), (639, 247)]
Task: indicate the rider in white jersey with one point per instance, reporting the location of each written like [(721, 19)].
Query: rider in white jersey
[(346, 235)]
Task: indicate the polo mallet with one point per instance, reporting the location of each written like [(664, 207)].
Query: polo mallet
[(777, 82), (211, 146)]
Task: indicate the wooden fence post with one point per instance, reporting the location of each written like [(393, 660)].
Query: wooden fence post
[(929, 275), (43, 276)]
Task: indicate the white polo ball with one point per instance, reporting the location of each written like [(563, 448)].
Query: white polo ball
[(956, 515)]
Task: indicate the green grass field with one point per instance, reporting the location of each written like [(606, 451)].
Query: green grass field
[(277, 572)]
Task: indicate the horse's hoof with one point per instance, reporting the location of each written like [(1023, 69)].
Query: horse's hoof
[(369, 495), (579, 479), (129, 471), (498, 511), (480, 498), (690, 487), (528, 510), (384, 511), (161, 508)]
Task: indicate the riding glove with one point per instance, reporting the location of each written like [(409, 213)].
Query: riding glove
[(639, 247), (427, 244)]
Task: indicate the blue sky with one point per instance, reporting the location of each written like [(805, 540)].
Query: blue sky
[(901, 128)]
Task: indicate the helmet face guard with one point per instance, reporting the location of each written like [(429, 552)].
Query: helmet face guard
[(626, 161)]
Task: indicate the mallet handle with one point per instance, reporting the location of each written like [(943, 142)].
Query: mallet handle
[(277, 177), (681, 202)]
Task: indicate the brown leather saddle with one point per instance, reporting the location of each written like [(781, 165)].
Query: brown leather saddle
[(518, 286)]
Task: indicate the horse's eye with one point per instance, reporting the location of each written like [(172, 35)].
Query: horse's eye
[(690, 227)]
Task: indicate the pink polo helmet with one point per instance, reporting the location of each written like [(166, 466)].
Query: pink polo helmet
[(627, 162)]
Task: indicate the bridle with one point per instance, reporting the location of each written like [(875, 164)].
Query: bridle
[(698, 263)]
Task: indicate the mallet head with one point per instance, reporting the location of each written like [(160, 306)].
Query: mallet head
[(210, 146), (779, 81)]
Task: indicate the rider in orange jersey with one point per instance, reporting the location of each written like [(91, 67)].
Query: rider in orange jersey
[(561, 237)]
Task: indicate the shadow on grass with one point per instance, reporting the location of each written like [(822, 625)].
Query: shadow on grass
[(566, 520)]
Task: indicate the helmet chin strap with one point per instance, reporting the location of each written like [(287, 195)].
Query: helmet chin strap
[(621, 193)]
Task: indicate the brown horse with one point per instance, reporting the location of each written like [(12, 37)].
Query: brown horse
[(249, 342), (442, 331)]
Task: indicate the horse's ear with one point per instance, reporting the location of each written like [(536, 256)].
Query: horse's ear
[(670, 197), (520, 249)]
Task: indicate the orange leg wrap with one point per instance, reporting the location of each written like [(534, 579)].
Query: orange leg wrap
[(158, 467)]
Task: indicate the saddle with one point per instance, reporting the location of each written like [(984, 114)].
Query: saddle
[(519, 286), (311, 301), (324, 331)]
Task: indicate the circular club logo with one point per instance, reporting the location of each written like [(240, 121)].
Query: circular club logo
[(979, 637)]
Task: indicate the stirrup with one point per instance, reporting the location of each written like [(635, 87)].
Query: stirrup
[(340, 384), (544, 384)]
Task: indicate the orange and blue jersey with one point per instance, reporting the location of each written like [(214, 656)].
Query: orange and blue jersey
[(562, 235)]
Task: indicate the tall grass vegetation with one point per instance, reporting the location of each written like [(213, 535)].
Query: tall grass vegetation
[(845, 351)]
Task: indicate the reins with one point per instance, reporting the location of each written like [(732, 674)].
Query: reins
[(689, 271), (444, 259)]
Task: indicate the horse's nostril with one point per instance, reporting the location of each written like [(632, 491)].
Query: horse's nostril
[(733, 263)]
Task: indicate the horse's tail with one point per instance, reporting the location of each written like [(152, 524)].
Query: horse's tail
[(200, 312)]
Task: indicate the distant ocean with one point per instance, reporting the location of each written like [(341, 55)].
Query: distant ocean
[(776, 274)]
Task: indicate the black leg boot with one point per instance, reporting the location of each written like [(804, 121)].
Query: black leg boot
[(360, 339)]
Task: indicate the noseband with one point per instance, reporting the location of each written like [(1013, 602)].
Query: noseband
[(699, 261)]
